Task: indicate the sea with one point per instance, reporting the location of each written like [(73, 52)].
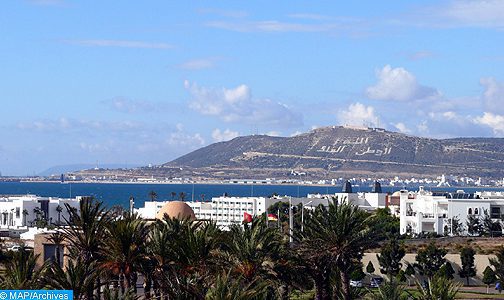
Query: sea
[(112, 194)]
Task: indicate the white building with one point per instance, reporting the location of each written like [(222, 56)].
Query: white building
[(426, 211), (21, 212), (230, 210)]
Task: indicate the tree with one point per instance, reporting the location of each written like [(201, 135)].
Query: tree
[(488, 226), (468, 268), (86, 234), (454, 227), (390, 257), (488, 277), (410, 271), (333, 240), (498, 265), (124, 249), (357, 274), (438, 288), (473, 225), (430, 259), (390, 290), (153, 195), (59, 209), (386, 225), (25, 215), (182, 196), (446, 271), (228, 288), (370, 269), (401, 276), (76, 276), (173, 195), (20, 271)]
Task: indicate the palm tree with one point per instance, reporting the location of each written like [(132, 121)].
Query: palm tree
[(182, 196), (439, 288), (183, 253), (153, 195), (228, 288), (390, 290), (21, 271), (76, 276), (25, 215), (87, 233), (124, 249), (173, 194), (59, 209), (57, 239), (334, 240)]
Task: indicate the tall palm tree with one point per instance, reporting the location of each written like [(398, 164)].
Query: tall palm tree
[(183, 253), (59, 209), (25, 215), (21, 271), (334, 240), (86, 233), (258, 253), (124, 249), (173, 194)]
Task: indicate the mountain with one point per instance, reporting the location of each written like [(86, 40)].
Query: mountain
[(336, 151)]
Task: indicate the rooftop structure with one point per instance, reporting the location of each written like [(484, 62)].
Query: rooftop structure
[(24, 211)]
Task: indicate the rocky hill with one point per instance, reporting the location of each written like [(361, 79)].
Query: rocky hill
[(342, 151)]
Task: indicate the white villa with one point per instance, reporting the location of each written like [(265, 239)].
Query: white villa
[(426, 211), (21, 212)]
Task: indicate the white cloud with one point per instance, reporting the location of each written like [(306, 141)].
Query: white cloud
[(399, 85), (423, 128), (296, 133), (238, 105), (494, 121), (120, 43), (487, 13), (181, 138), (226, 135), (402, 128), (493, 97), (359, 115)]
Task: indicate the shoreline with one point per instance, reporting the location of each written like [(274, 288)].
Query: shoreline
[(251, 184)]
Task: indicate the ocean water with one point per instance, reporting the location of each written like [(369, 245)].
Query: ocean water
[(119, 193)]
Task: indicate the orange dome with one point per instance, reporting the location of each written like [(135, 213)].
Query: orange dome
[(176, 209)]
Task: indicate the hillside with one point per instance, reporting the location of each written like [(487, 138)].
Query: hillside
[(337, 151)]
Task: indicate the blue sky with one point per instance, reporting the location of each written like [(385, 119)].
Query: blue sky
[(136, 82)]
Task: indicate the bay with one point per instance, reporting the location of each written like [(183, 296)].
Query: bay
[(119, 193)]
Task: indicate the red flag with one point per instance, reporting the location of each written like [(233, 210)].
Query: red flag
[(247, 218), (272, 217)]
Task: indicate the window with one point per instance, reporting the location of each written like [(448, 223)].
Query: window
[(469, 211), (18, 212), (476, 211)]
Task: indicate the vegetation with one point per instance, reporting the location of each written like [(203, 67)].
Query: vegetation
[(489, 277), (108, 250), (430, 260), (468, 268)]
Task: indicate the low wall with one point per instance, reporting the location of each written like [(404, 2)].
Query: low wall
[(480, 261)]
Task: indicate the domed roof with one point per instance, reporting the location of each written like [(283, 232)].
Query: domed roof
[(176, 209), (396, 194)]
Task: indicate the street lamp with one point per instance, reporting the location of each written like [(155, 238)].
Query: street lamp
[(302, 214)]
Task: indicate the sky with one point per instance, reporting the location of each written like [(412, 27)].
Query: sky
[(143, 82)]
